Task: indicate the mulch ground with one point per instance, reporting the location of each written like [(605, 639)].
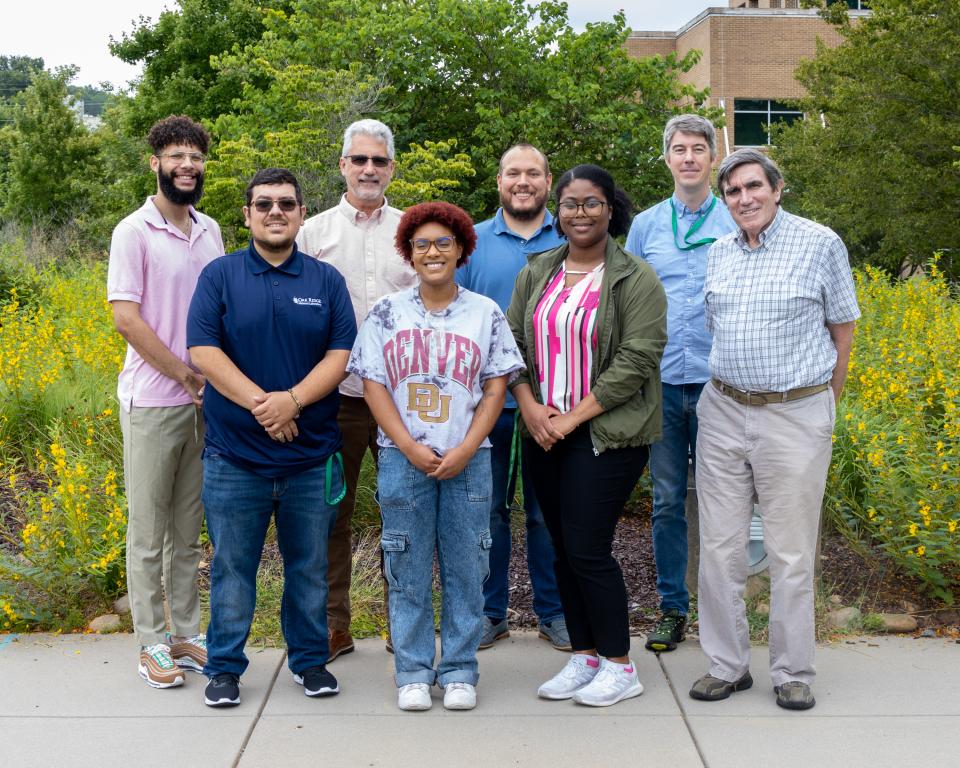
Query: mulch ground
[(864, 578)]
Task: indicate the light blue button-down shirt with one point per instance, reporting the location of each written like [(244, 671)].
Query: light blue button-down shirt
[(500, 254), (686, 356)]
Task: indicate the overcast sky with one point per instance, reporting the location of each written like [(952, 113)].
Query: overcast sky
[(68, 32)]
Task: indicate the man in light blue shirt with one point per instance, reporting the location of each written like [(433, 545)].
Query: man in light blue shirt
[(674, 237), (522, 227)]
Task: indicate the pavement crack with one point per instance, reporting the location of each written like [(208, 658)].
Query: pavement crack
[(256, 718), (683, 712)]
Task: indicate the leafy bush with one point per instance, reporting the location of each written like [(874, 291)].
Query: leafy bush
[(895, 478)]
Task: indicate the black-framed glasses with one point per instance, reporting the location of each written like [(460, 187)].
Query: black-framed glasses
[(443, 244), (591, 207), (197, 158), (265, 204), (360, 160)]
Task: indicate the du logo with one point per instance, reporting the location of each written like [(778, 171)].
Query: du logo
[(426, 400)]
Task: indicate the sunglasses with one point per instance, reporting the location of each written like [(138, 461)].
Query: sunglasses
[(360, 160), (265, 204)]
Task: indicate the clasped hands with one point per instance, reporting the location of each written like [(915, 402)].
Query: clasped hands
[(276, 412), (546, 424)]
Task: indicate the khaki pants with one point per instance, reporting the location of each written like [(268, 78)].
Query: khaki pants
[(163, 475), (359, 431), (781, 453)]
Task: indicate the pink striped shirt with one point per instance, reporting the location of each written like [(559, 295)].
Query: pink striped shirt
[(566, 337)]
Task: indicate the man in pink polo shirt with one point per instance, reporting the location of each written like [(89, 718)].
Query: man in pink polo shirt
[(156, 255)]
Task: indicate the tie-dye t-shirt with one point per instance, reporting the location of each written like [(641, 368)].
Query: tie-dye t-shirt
[(434, 363)]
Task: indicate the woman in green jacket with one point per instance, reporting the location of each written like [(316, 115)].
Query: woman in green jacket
[(590, 321)]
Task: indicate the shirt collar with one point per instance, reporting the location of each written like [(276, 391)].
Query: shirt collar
[(500, 224), (258, 265), (445, 312), (355, 216), (767, 233), (682, 209), (157, 219)]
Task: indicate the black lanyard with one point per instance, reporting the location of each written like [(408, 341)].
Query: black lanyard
[(688, 246)]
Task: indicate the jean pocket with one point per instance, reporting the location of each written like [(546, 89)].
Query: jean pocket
[(478, 477), (394, 544), (486, 544), (395, 481)]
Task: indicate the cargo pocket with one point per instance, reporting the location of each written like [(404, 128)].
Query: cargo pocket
[(394, 544), (486, 544)]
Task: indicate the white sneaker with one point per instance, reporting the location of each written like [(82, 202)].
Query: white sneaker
[(577, 672), (414, 697), (459, 696), (613, 683)]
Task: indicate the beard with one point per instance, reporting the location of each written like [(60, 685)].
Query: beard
[(523, 214), (179, 196)]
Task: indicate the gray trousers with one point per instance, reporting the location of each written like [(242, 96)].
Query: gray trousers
[(163, 476), (781, 454)]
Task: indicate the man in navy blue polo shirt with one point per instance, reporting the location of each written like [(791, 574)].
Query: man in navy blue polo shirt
[(522, 227), (271, 329)]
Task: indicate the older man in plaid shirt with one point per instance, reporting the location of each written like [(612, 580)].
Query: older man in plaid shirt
[(780, 301)]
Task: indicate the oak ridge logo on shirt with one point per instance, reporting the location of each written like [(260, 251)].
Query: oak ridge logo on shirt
[(307, 302)]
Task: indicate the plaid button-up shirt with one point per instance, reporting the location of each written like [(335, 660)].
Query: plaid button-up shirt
[(768, 307)]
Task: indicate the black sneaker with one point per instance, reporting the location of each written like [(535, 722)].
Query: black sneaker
[(669, 631), (316, 681), (223, 690)]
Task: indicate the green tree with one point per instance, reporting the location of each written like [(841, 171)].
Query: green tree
[(51, 155), (176, 53), (15, 74), (875, 160), (488, 73)]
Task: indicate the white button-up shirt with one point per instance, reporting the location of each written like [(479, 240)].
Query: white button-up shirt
[(360, 247)]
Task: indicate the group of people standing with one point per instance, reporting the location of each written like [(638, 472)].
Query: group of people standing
[(529, 348)]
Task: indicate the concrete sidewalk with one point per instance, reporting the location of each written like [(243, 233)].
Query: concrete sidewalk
[(76, 700)]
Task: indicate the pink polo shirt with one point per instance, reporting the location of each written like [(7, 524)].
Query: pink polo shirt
[(154, 264), (361, 248)]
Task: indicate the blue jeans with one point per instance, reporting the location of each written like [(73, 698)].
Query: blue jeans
[(540, 555), (239, 505), (669, 462), (422, 515)]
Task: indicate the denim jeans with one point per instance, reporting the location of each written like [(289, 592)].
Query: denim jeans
[(669, 463), (239, 505), (540, 556), (422, 515)]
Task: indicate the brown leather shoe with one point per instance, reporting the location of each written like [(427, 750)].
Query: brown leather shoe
[(340, 643)]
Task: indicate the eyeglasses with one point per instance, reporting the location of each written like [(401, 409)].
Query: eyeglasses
[(360, 160), (178, 157), (443, 244), (591, 207), (265, 204)]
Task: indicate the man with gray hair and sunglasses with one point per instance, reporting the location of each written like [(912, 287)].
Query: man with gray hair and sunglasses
[(780, 301), (674, 237), (356, 238)]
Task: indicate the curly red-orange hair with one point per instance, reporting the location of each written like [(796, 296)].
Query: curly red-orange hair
[(453, 218)]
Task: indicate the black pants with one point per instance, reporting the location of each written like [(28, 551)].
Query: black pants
[(582, 496)]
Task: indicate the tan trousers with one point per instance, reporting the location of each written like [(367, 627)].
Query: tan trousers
[(359, 431), (163, 476), (781, 453)]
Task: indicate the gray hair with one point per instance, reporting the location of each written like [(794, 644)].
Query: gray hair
[(372, 128), (694, 124), (526, 145), (747, 156)]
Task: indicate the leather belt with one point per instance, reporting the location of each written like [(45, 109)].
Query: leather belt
[(767, 398)]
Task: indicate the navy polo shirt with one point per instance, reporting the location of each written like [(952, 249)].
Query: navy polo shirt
[(275, 324)]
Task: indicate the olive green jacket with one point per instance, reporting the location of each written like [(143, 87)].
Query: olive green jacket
[(631, 334)]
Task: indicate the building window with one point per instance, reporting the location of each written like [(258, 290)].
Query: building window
[(858, 5), (751, 118)]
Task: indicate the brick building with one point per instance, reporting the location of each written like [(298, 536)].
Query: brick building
[(750, 51)]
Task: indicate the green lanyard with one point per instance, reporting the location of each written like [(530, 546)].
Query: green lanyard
[(329, 483), (688, 246), (515, 457)]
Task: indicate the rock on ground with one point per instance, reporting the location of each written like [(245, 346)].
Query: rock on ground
[(109, 622), (898, 622), (844, 618)]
